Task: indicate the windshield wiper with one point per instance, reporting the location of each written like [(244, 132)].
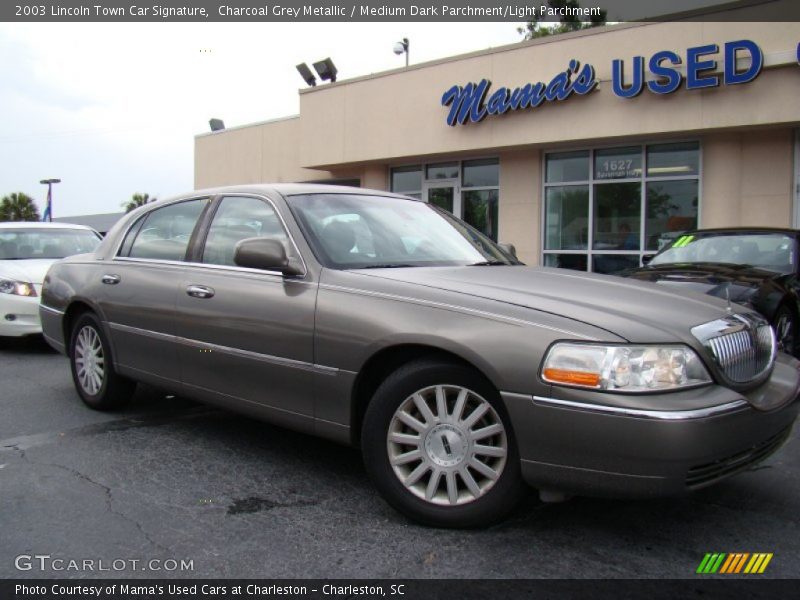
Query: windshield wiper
[(490, 263)]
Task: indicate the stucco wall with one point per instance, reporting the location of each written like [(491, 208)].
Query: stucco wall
[(748, 179), (358, 121), (266, 152)]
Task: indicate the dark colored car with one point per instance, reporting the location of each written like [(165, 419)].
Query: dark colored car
[(385, 322), (756, 267)]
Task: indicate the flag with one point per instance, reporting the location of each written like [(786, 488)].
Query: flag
[(48, 208)]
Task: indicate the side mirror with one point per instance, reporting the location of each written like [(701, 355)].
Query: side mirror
[(508, 248), (265, 254), (647, 258)]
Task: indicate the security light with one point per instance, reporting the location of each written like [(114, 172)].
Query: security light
[(306, 74), (326, 70), (401, 47), (216, 124)]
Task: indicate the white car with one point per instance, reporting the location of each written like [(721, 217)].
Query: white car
[(27, 249)]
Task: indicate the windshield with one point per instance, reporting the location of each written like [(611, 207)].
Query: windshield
[(769, 251), (349, 231), (20, 244)]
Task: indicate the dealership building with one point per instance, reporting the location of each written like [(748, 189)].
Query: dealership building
[(586, 150)]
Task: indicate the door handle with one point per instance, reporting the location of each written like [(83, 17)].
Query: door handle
[(200, 291), (111, 279)]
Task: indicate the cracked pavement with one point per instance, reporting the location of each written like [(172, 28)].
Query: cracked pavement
[(171, 479)]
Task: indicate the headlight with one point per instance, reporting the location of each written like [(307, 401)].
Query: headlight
[(624, 368), (18, 288)]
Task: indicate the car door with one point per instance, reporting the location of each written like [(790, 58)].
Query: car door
[(247, 334), (138, 288)]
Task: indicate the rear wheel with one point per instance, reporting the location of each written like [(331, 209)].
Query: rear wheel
[(439, 447), (785, 330), (97, 383)]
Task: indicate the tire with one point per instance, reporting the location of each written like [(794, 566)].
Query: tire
[(424, 464), (103, 389), (786, 330)]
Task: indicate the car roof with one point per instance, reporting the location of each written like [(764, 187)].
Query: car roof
[(41, 225), (743, 230), (286, 189)]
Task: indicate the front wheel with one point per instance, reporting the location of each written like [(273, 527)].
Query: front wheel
[(439, 447), (97, 383)]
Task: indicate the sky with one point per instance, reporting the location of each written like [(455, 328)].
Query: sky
[(112, 109)]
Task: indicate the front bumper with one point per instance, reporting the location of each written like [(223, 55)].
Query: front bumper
[(583, 448), (19, 315)]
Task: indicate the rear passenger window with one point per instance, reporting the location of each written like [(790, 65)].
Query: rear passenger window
[(164, 234), (237, 219)]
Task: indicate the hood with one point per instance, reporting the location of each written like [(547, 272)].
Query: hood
[(30, 270), (715, 279), (635, 311)]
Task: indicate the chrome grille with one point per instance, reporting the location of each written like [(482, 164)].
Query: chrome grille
[(742, 345)]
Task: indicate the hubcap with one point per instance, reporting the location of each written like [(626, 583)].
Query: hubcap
[(447, 445), (89, 360)]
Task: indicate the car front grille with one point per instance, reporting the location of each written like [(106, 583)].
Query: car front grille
[(742, 345), (702, 475)]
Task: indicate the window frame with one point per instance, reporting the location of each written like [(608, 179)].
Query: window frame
[(200, 233), (457, 182), (135, 228), (643, 181)]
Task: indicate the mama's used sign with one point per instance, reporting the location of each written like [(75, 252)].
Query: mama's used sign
[(474, 102)]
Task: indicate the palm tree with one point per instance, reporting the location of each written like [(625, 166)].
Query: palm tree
[(136, 201), (18, 207)]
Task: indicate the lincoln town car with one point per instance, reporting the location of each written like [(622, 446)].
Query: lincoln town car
[(384, 322)]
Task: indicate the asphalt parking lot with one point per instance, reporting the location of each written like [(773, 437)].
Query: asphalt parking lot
[(168, 479)]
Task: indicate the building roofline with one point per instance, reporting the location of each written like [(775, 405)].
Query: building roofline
[(603, 30), (246, 125)]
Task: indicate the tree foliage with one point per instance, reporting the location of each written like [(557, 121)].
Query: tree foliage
[(136, 201), (534, 29), (18, 207)]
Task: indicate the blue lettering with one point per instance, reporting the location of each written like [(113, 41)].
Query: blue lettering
[(733, 77), (559, 88), (618, 78), (499, 102), (672, 76), (695, 66), (466, 103), (585, 82), (469, 103)]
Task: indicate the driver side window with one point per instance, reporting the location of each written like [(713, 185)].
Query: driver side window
[(239, 218)]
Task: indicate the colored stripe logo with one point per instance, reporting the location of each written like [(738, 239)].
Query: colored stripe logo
[(683, 241), (737, 562)]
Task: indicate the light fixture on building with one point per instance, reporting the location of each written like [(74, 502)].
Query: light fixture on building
[(401, 47), (326, 70), (216, 124), (306, 74)]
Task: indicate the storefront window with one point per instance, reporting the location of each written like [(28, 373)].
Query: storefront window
[(632, 201), (566, 217), (442, 171), (567, 166), (613, 263), (469, 189), (618, 163), (671, 208), (673, 160), (407, 179), (576, 262), (481, 173), (480, 211), (617, 216)]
